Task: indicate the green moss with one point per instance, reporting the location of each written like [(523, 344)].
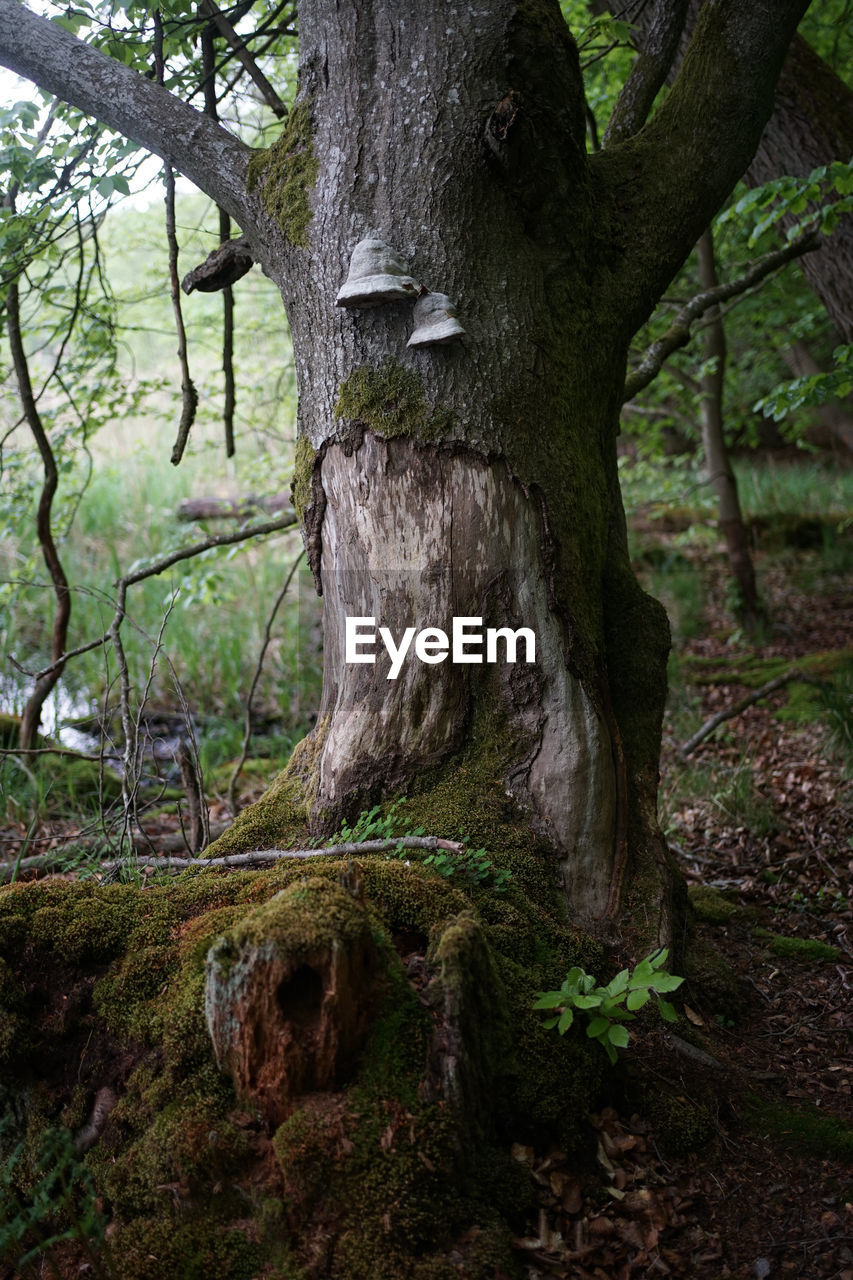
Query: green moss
[(286, 173), (711, 907), (303, 475), (806, 949), (714, 980), (681, 1124), (805, 1129), (390, 402), (280, 817), (161, 1249), (312, 913)]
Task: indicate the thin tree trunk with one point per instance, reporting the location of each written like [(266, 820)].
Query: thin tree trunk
[(32, 711), (717, 462)]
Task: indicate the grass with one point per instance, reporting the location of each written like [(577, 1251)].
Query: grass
[(802, 488)]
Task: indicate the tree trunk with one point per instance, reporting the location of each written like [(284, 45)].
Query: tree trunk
[(476, 479), (811, 125), (717, 463)]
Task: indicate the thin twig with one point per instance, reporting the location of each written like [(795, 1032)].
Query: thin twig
[(735, 708), (43, 861), (288, 521), (678, 333), (347, 850), (208, 62), (189, 395), (225, 29), (247, 734)]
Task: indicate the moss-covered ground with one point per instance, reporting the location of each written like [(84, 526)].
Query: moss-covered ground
[(102, 985)]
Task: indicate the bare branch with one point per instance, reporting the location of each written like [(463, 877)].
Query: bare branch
[(217, 540), (678, 333), (46, 681), (55, 858), (224, 27), (347, 850), (208, 61), (143, 111)]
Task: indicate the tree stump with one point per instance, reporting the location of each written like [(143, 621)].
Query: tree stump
[(289, 995)]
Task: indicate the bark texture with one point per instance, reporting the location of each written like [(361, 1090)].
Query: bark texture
[(811, 124)]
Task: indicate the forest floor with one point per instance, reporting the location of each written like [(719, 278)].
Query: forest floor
[(760, 818), (741, 1166)]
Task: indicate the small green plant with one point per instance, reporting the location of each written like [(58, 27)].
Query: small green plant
[(609, 1007), (61, 1206), (472, 864), (370, 825)]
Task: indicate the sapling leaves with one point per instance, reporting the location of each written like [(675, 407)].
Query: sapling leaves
[(608, 1008)]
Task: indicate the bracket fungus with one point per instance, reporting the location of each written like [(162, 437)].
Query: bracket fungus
[(377, 274), (435, 321)]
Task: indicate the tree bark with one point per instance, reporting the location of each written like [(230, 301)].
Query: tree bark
[(811, 125)]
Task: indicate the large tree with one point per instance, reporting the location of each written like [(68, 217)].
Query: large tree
[(473, 479), (476, 478)]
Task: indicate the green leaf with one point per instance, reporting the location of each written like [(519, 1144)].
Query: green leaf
[(566, 1020), (636, 999), (597, 1027), (618, 1035), (549, 1000), (667, 1012), (618, 984), (666, 982)]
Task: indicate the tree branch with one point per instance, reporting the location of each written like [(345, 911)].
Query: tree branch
[(225, 29), (138, 108), (259, 666), (649, 72), (45, 681), (678, 333), (256, 857), (665, 184), (736, 708)]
